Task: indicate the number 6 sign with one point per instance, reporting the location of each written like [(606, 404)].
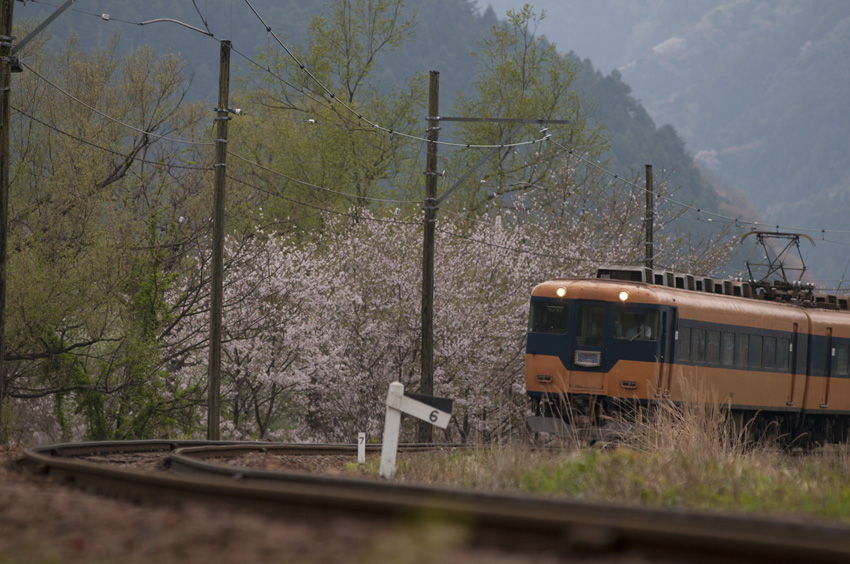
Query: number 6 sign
[(438, 411)]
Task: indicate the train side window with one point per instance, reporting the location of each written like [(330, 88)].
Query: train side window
[(755, 351), (683, 347), (636, 324), (742, 349), (548, 318), (590, 321), (783, 353), (727, 355), (699, 345), (768, 357), (712, 347), (842, 360)]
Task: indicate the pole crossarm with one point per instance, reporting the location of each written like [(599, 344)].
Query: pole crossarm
[(41, 26)]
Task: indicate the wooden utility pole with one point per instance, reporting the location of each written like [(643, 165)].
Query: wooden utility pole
[(427, 378), (650, 219), (431, 205), (6, 17), (217, 290)]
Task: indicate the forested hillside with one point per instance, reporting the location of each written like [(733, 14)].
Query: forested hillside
[(757, 89), (760, 90), (445, 37)]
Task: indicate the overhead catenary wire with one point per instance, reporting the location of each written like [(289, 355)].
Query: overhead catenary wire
[(101, 147), (720, 218), (519, 250), (318, 207), (727, 219), (110, 118), (330, 94), (370, 218), (321, 188), (268, 70)]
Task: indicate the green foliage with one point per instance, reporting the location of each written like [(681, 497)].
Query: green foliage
[(94, 236), (758, 482), (106, 219), (761, 481), (322, 138), (521, 76)]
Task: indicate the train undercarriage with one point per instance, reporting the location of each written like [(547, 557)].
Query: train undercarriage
[(601, 418)]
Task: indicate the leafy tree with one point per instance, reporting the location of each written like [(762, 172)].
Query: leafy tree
[(316, 330), (521, 76), (314, 113), (110, 267), (96, 235)]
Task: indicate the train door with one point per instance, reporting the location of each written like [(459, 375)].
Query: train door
[(665, 352), (830, 353), (587, 372), (793, 355)]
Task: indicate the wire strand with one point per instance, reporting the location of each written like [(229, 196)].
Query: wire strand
[(317, 207), (105, 149), (731, 220), (110, 118), (321, 188), (333, 97)]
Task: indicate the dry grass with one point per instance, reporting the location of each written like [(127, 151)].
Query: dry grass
[(687, 455)]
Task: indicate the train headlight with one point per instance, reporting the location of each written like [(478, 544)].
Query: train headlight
[(561, 292), (624, 296)]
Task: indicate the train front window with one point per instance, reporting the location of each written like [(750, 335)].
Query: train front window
[(636, 324), (590, 321), (548, 318)]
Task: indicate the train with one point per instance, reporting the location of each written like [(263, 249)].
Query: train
[(777, 356)]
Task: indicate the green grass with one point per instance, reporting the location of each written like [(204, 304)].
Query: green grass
[(760, 481), (686, 457)]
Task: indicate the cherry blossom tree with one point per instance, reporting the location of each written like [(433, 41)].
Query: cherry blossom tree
[(317, 325)]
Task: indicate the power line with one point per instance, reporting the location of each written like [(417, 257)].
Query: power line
[(105, 149), (333, 97), (515, 249), (731, 220), (330, 94), (110, 118), (408, 223), (317, 187), (107, 17), (268, 70), (320, 208), (742, 223)]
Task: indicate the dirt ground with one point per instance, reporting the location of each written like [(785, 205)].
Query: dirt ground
[(43, 522)]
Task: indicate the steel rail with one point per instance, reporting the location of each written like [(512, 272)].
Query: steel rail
[(507, 521)]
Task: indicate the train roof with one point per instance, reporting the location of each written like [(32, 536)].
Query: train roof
[(737, 307), (798, 294)]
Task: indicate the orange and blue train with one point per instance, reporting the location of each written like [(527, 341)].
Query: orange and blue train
[(777, 356)]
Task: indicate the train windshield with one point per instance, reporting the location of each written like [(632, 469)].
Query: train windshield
[(548, 318), (590, 322), (636, 324)]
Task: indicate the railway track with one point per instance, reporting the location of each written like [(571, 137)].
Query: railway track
[(506, 521)]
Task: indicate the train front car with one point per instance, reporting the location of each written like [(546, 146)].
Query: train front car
[(594, 346)]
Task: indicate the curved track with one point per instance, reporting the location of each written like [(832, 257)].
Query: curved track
[(506, 521)]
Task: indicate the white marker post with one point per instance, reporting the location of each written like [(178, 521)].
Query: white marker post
[(361, 448), (437, 411)]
